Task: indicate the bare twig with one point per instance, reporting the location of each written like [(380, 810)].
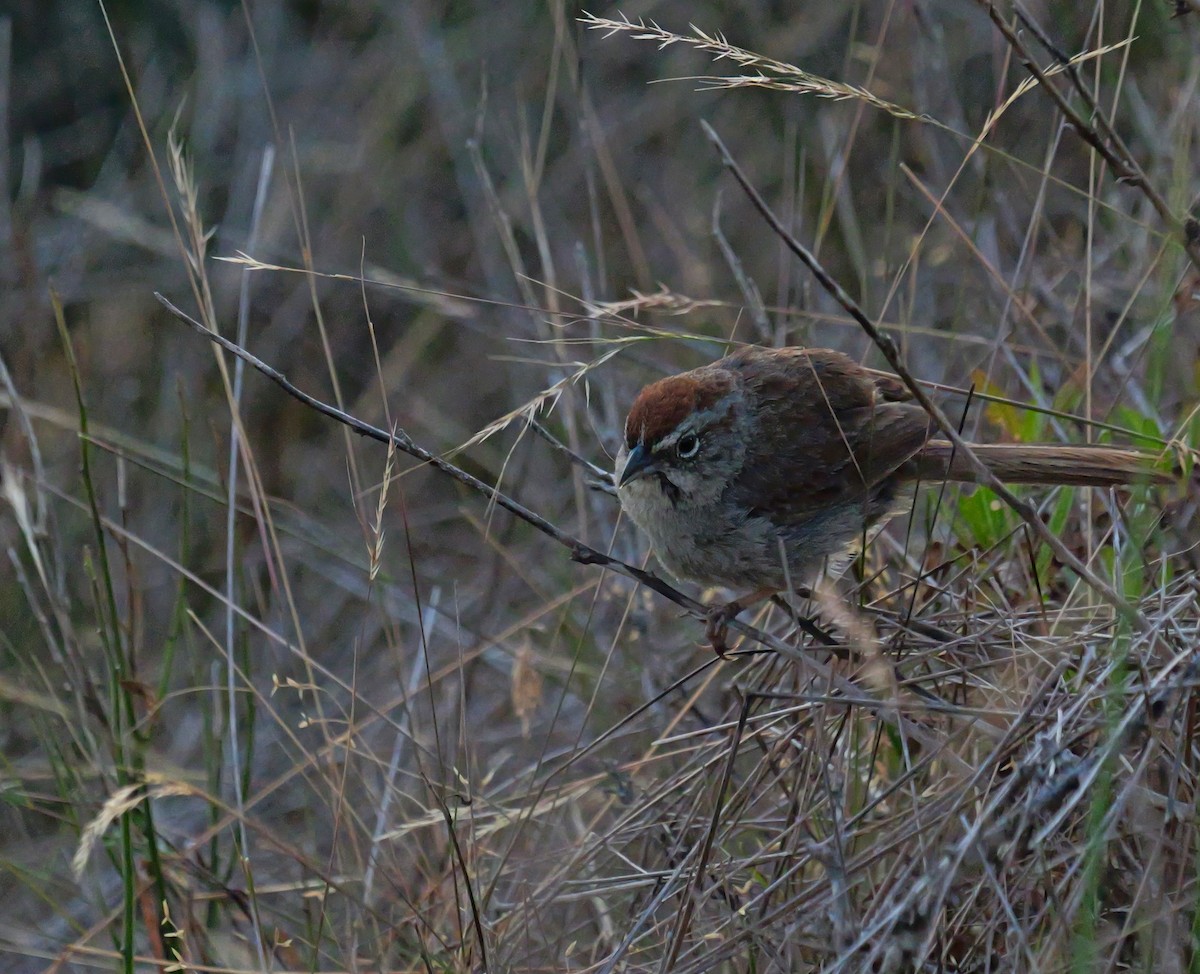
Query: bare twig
[(750, 292), (599, 473)]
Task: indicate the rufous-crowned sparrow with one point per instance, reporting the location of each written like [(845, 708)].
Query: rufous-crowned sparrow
[(758, 471)]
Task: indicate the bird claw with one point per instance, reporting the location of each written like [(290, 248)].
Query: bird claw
[(716, 627)]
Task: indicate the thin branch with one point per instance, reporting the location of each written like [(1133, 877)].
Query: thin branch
[(599, 473), (750, 292)]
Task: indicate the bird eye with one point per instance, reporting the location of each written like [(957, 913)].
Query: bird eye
[(687, 446)]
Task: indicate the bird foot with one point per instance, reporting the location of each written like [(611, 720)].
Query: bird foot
[(717, 625)]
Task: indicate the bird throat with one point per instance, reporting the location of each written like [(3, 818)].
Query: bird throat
[(670, 491)]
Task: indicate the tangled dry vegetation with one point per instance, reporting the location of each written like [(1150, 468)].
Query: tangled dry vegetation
[(280, 697)]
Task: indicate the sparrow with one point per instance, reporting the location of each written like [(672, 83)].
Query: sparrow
[(762, 470)]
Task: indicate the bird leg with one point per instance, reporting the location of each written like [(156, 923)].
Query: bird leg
[(719, 616)]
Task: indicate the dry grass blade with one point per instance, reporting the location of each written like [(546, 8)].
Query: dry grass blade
[(777, 75)]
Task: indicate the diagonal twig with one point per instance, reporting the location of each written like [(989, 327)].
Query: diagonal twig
[(601, 478)]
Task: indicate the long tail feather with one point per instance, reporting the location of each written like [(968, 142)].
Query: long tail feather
[(1050, 464)]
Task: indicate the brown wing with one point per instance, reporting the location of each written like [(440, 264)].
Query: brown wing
[(834, 433), (889, 386)]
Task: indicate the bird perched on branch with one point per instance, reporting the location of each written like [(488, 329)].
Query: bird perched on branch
[(762, 469)]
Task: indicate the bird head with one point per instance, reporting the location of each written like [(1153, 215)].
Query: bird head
[(682, 436)]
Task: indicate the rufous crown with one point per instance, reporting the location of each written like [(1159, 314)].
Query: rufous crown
[(664, 404)]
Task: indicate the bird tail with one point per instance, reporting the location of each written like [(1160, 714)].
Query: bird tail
[(1049, 464)]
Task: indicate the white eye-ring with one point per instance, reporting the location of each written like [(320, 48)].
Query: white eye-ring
[(687, 446)]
